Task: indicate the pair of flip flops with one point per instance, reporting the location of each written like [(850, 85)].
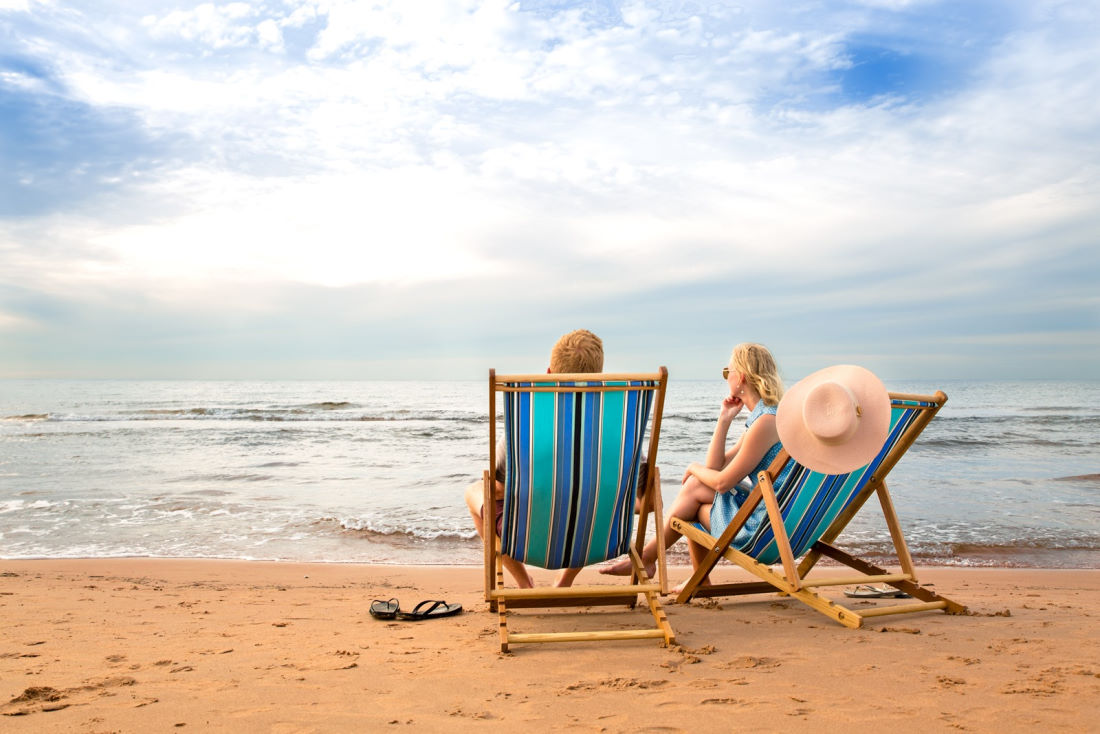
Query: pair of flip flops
[(429, 609), (865, 591)]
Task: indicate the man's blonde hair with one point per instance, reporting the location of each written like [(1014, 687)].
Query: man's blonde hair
[(577, 351)]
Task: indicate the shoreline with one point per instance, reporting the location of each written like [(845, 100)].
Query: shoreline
[(227, 645), (1092, 564)]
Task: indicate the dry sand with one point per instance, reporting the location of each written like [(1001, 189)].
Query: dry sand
[(141, 645)]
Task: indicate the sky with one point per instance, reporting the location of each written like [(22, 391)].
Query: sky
[(329, 189)]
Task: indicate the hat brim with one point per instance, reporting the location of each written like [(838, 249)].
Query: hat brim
[(870, 434)]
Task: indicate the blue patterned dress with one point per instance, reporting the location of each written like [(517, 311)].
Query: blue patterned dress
[(727, 504)]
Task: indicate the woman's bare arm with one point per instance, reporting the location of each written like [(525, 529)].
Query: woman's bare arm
[(749, 451)]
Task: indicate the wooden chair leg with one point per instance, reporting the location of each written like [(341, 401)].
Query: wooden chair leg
[(660, 618), (502, 607), (901, 548)]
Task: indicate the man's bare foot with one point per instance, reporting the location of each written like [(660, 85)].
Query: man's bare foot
[(625, 567), (621, 568)]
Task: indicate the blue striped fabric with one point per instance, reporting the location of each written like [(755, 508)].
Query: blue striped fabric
[(809, 501), (571, 470)]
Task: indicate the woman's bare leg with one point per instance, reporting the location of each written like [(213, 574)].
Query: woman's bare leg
[(693, 495), (698, 554)]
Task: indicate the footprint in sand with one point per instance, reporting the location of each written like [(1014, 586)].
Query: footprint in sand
[(964, 661), (34, 699), (40, 699), (481, 715), (750, 661), (1048, 682), (619, 684)]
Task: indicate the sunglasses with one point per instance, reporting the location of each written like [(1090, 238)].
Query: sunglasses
[(725, 373)]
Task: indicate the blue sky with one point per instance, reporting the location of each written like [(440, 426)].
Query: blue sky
[(330, 189)]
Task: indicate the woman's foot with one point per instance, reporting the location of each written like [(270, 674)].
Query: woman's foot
[(675, 591)]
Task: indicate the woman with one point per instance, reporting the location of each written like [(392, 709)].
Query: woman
[(712, 492)]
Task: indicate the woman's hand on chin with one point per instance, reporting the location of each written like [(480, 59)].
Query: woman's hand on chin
[(731, 406)]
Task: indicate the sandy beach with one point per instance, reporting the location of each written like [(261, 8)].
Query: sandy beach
[(155, 645)]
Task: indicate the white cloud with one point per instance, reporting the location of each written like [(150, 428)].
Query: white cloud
[(216, 26), (270, 35), (14, 322), (20, 5), (333, 231), (21, 81), (450, 142)]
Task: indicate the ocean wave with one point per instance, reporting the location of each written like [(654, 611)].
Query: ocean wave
[(166, 411), (1056, 408), (1043, 421), (999, 440), (1079, 478), (10, 506), (226, 477), (249, 414), (1057, 543), (1036, 559), (391, 529), (688, 417)]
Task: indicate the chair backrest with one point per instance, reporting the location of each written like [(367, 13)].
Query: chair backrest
[(810, 501), (572, 458)]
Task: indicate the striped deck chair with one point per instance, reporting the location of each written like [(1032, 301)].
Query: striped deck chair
[(809, 510), (573, 457)]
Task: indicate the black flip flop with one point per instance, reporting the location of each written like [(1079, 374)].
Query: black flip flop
[(384, 609), (430, 609), (864, 591)]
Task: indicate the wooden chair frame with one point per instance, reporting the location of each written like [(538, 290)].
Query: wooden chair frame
[(501, 600), (791, 579)]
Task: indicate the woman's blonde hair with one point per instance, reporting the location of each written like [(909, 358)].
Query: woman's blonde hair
[(757, 364)]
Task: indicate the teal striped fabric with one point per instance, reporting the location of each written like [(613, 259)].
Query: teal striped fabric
[(571, 470), (809, 501)]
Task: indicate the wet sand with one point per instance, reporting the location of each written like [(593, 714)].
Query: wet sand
[(138, 645)]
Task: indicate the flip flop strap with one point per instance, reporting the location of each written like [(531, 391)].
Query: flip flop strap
[(435, 604)]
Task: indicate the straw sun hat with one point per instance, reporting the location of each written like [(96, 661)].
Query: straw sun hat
[(835, 420)]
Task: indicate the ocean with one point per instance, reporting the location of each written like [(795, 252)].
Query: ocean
[(1008, 474)]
